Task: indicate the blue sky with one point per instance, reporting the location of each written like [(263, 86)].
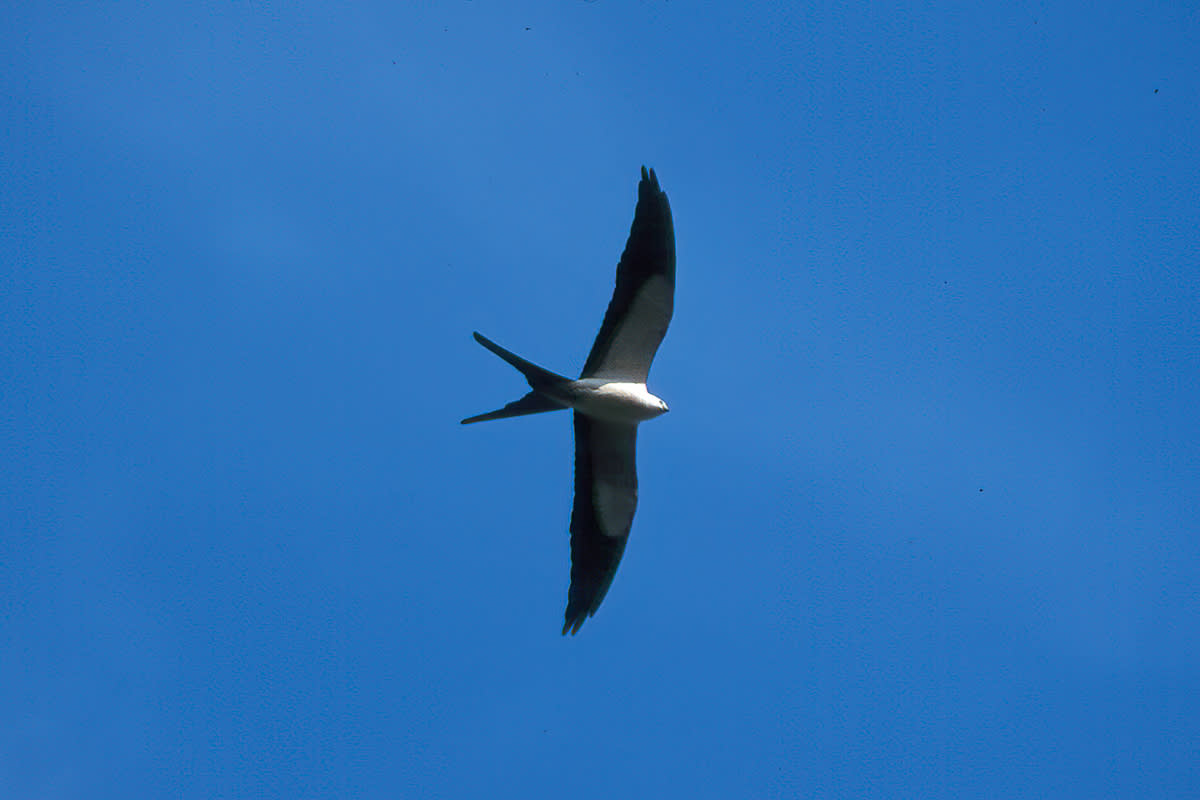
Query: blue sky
[(921, 521)]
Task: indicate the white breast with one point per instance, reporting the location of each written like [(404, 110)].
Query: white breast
[(616, 401)]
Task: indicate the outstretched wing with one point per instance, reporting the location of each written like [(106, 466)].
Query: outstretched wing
[(644, 298), (605, 499)]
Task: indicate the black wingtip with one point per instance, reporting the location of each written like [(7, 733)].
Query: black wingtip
[(648, 188)]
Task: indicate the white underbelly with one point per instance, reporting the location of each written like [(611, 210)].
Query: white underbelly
[(615, 402)]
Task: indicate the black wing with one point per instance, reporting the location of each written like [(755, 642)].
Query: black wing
[(605, 499), (644, 297)]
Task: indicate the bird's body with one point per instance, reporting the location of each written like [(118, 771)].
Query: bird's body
[(610, 399)]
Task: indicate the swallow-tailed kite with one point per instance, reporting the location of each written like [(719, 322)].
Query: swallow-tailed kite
[(609, 400)]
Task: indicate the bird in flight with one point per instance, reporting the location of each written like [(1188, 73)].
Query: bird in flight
[(609, 400)]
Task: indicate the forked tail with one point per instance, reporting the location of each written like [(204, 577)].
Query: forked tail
[(533, 403)]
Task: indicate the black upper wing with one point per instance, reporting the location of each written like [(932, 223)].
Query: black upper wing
[(644, 297)]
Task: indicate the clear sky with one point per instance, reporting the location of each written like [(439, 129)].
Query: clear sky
[(922, 521)]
